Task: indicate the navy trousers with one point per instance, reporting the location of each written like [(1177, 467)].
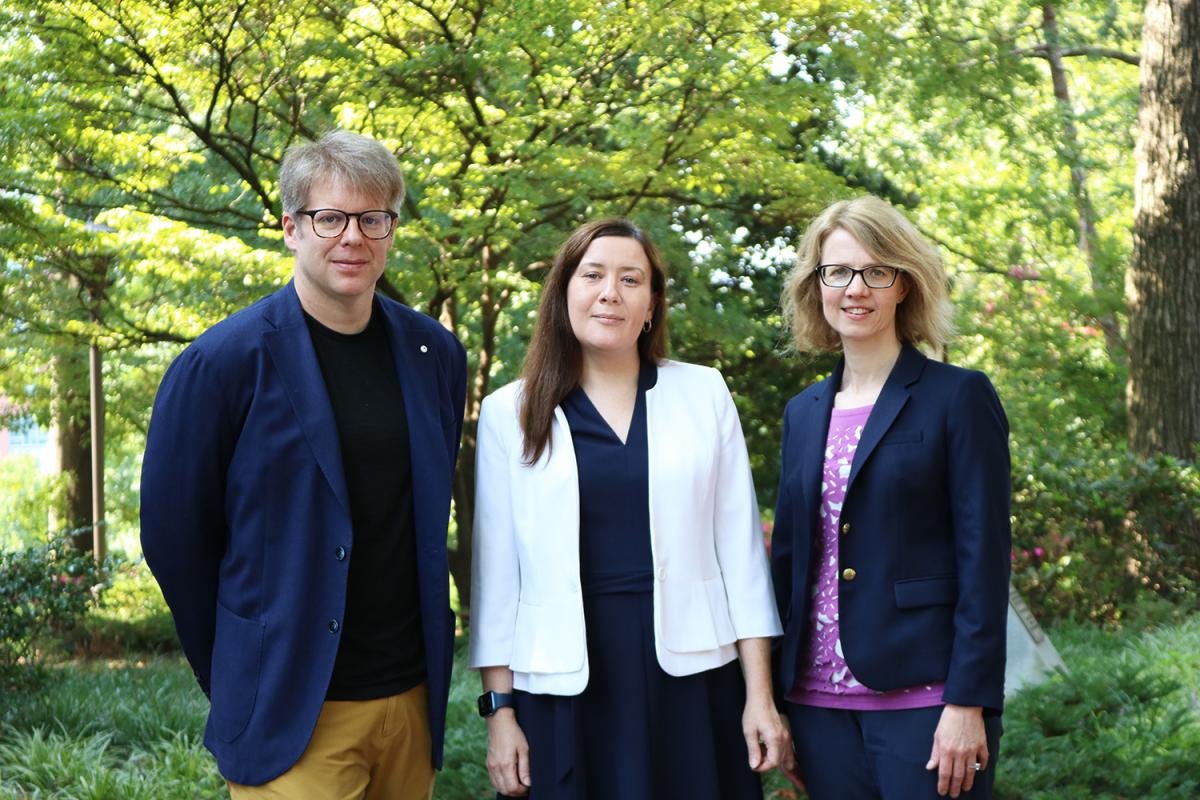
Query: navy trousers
[(877, 755)]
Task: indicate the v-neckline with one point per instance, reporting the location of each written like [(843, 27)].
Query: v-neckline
[(637, 398)]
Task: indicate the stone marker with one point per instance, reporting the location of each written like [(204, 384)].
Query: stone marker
[(1031, 655)]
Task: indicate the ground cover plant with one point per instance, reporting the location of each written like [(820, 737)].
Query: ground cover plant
[(1125, 723)]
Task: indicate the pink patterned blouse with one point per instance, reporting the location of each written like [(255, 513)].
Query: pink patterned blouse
[(823, 678)]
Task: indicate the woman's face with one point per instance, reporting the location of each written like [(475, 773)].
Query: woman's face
[(609, 298), (857, 312)]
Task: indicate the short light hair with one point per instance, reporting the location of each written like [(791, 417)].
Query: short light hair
[(885, 233), (355, 161)]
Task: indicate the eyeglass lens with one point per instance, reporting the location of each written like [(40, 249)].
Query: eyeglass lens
[(330, 222), (838, 275)]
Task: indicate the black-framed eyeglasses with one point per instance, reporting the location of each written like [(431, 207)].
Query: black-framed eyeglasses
[(329, 223), (875, 276)]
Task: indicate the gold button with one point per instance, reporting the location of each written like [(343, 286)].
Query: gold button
[(845, 527), (849, 574)]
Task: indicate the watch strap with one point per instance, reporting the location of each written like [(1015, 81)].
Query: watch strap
[(491, 702)]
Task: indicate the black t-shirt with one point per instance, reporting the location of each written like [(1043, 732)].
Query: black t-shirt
[(381, 651)]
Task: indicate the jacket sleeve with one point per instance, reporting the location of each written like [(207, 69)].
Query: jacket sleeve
[(495, 573), (737, 528), (979, 489), (458, 392), (781, 564), (183, 530)]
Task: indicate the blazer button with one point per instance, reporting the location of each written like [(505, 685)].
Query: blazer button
[(340, 553), (849, 574), (845, 527), (334, 627), (662, 573)]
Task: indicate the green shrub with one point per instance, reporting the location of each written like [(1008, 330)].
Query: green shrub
[(1096, 529), (465, 772), (132, 619), (45, 589), (1123, 724)]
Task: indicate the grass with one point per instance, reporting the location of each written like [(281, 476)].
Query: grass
[(133, 730), (125, 730), (1124, 724)]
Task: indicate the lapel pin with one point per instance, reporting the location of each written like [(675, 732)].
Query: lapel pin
[(424, 349)]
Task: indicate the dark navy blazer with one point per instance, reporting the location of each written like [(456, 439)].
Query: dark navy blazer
[(246, 520), (924, 527)]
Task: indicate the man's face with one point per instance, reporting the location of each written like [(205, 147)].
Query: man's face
[(338, 272)]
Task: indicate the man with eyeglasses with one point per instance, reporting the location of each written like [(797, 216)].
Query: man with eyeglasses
[(295, 496)]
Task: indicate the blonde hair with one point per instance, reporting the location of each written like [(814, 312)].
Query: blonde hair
[(890, 238)]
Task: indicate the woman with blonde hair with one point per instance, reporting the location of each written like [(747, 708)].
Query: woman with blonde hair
[(620, 575), (890, 554)]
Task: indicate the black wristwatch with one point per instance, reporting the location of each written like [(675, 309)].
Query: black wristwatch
[(491, 702)]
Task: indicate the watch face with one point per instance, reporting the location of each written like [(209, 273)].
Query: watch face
[(487, 705)]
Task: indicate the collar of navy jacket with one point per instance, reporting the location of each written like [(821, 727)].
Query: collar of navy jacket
[(292, 353), (892, 399)]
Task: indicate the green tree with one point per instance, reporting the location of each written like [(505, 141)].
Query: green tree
[(164, 122), (1004, 127)]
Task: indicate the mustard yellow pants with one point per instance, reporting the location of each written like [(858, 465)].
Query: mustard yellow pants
[(360, 750)]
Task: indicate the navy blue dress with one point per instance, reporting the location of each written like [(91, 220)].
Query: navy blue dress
[(635, 733)]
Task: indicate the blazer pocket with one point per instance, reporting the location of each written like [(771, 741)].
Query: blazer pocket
[(549, 639), (918, 592), (236, 666), (902, 437), (695, 616)]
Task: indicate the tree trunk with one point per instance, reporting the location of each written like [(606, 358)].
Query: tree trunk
[(491, 303), (72, 420), (96, 411), (1163, 282)]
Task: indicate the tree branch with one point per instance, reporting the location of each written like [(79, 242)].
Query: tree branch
[(1088, 51)]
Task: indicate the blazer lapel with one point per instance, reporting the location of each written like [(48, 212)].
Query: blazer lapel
[(291, 349), (417, 370), (891, 400), (813, 442)]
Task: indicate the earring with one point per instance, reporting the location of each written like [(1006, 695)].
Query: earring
[(649, 324)]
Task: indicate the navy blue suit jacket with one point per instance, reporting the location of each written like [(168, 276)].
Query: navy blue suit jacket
[(925, 527), (246, 520)]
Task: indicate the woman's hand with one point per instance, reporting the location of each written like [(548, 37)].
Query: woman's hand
[(790, 767), (959, 743), (768, 742), (507, 754)]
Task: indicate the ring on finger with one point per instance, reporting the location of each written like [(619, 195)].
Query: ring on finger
[(977, 766)]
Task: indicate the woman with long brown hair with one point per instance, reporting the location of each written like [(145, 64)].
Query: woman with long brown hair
[(620, 575)]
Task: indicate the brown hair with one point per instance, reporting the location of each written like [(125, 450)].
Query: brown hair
[(888, 236), (554, 360)]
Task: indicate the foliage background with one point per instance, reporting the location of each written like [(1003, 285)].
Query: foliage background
[(139, 146), (140, 143)]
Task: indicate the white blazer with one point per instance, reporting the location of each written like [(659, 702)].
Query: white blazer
[(712, 584)]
